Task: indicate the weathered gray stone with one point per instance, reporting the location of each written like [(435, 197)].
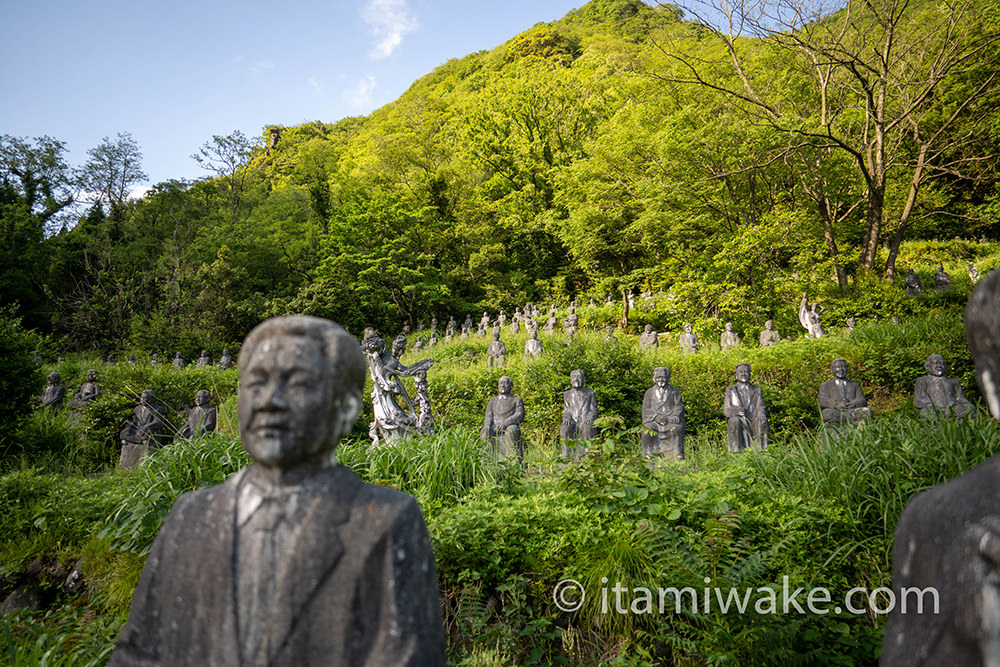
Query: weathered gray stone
[(937, 396), (502, 422), (663, 418), (579, 413), (746, 411), (769, 336), (842, 401)]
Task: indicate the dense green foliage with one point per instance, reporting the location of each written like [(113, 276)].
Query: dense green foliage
[(609, 150)]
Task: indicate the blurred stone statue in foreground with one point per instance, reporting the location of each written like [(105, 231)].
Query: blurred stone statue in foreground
[(744, 407), (938, 396), (55, 392), (395, 412), (842, 401), (293, 560), (947, 540), (663, 418), (145, 431), (579, 413), (502, 423), (809, 317)]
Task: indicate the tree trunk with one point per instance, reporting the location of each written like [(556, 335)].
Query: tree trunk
[(904, 218)]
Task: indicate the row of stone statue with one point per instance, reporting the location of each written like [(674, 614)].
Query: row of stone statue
[(841, 402), (203, 361), (148, 428)]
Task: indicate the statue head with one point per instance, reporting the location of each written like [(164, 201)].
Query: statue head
[(743, 373), (577, 379), (300, 389), (935, 365), (147, 397), (768, 325), (729, 326), (661, 376), (505, 385), (839, 368), (204, 353), (687, 328), (982, 333), (91, 375), (55, 378), (202, 397), (496, 335), (177, 356), (648, 328)]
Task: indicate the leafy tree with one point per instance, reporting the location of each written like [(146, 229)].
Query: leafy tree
[(21, 380), (113, 169), (228, 157)]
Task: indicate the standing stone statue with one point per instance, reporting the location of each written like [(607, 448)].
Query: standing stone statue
[(648, 339), (769, 336), (204, 361), (434, 324), (88, 391), (729, 339), (502, 319), (395, 414), (202, 417), (912, 283), (496, 351), (942, 281), (571, 322), (54, 393), (809, 317), (145, 431), (226, 360), (579, 413), (948, 538), (842, 401), (938, 396), (744, 407), (533, 346), (467, 324), (515, 326), (663, 418), (610, 337), (688, 340), (502, 423), (293, 560), (178, 360)]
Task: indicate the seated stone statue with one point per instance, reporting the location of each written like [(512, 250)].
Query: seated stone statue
[(484, 324), (729, 339), (663, 418), (226, 360), (579, 413), (948, 538), (851, 323), (502, 423), (178, 360), (496, 351), (418, 344), (688, 340), (744, 407), (54, 393), (769, 336), (451, 328), (571, 322), (973, 272), (648, 339), (515, 326), (433, 340), (912, 283), (467, 324), (145, 431), (293, 560), (204, 361), (533, 346), (842, 401), (88, 391), (202, 417), (942, 281), (938, 396)]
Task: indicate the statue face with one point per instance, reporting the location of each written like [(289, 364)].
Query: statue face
[(202, 397), (769, 325), (54, 378), (648, 328), (743, 373), (729, 326), (146, 397), (91, 376), (577, 379), (661, 377), (935, 365), (505, 385), (288, 411), (839, 369), (687, 328)]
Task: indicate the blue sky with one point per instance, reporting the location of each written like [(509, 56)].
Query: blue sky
[(174, 73)]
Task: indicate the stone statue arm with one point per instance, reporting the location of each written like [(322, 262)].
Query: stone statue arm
[(489, 424), (921, 398), (55, 397), (515, 417), (829, 396), (804, 313), (732, 407), (589, 412), (856, 395), (209, 419)]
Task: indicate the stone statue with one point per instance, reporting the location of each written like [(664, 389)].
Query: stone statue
[(465, 332), (663, 418), (769, 336), (484, 323), (579, 413), (178, 360), (451, 328), (948, 538), (571, 322), (406, 330), (744, 407), (226, 360), (648, 339), (420, 325), (938, 396), (841, 400), (515, 326), (88, 391), (502, 423), (496, 351), (851, 323), (395, 414), (145, 431), (809, 318), (550, 323), (434, 324), (942, 281), (131, 360), (418, 344), (54, 393), (399, 346), (425, 417), (202, 417), (973, 272), (293, 560), (729, 339), (610, 337), (501, 319), (688, 340), (467, 324), (531, 325), (204, 361), (912, 283), (433, 340), (533, 346)]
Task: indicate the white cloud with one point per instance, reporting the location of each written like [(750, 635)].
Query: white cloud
[(361, 95), (316, 84), (388, 22), (261, 66)]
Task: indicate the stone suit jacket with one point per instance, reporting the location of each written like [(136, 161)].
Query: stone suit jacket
[(357, 587), (832, 396)]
